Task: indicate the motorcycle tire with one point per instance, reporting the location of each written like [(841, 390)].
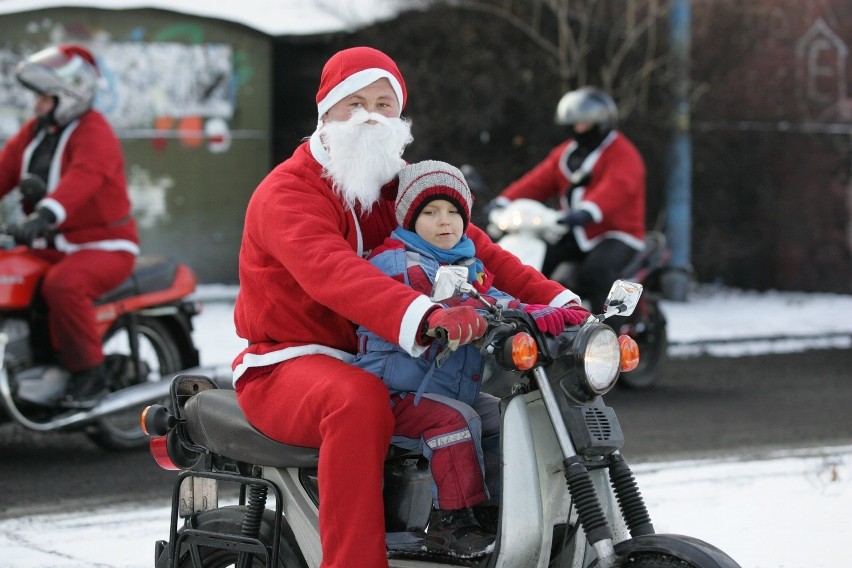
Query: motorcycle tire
[(228, 521), (159, 356), (654, 560), (653, 343), (670, 551)]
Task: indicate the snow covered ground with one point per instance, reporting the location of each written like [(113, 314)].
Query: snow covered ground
[(788, 510)]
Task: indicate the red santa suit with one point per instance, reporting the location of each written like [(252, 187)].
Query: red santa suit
[(304, 284), (97, 241), (610, 185)]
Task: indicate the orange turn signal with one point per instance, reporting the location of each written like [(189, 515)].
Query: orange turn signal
[(524, 351), (142, 422), (629, 353)]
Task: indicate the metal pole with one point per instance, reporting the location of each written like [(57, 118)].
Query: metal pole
[(679, 184)]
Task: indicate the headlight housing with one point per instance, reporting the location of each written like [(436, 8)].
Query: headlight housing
[(588, 363)]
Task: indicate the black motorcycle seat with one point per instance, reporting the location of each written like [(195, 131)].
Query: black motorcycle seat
[(215, 421), (150, 274)]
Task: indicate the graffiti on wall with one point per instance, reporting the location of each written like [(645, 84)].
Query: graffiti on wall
[(149, 80), (148, 90)]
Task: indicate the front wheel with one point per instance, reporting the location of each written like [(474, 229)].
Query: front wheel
[(159, 356), (225, 522), (670, 551), (655, 560)]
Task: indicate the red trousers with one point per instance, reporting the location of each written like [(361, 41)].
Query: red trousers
[(448, 433), (319, 401), (70, 288)]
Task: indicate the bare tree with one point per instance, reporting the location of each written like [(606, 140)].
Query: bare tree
[(614, 44)]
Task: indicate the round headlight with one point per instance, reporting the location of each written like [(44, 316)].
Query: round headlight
[(601, 360)]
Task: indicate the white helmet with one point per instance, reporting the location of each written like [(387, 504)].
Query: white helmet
[(68, 73), (587, 105)]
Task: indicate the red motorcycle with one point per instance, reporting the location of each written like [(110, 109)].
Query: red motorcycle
[(146, 323)]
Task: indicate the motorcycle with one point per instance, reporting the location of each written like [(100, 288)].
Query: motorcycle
[(146, 324), (569, 500), (525, 227)]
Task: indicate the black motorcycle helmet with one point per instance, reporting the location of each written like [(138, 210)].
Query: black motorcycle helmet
[(587, 105)]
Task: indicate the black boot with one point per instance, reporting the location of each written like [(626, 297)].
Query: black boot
[(457, 533), (86, 388)]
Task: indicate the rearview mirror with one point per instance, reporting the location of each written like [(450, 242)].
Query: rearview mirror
[(622, 298), (450, 281)]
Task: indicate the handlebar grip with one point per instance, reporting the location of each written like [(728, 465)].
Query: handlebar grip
[(441, 334)]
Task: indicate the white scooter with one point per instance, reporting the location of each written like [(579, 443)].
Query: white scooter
[(569, 499), (526, 228)]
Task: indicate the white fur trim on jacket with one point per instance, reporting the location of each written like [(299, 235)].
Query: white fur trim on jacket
[(408, 330), (564, 297), (354, 83), (114, 245)]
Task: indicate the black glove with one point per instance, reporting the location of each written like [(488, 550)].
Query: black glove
[(34, 226), (32, 189), (576, 218)]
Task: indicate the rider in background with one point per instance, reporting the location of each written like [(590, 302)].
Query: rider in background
[(599, 177), (72, 149)]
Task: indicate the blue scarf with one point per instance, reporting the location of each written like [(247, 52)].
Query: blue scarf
[(463, 251)]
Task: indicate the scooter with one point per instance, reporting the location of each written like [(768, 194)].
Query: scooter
[(569, 498), (525, 227), (146, 324)]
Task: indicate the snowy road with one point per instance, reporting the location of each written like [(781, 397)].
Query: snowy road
[(768, 513), (788, 511)]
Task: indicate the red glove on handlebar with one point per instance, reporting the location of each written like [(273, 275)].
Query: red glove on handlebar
[(461, 325), (553, 320), (577, 314)]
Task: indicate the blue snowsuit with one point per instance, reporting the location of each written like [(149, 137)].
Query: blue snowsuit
[(439, 411)]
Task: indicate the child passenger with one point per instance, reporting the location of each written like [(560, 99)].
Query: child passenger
[(440, 411)]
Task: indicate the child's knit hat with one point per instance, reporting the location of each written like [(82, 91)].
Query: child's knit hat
[(427, 181)]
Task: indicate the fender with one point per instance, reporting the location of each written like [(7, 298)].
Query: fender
[(692, 550), (131, 299)]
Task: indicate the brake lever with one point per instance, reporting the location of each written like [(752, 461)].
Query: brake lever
[(492, 334)]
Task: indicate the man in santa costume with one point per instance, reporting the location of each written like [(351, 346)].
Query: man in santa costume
[(305, 284), (73, 151), (598, 176)]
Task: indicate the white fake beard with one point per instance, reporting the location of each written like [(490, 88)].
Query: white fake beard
[(364, 157)]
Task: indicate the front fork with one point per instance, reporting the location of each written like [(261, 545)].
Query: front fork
[(583, 495)]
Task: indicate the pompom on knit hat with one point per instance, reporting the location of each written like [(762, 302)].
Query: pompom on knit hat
[(427, 181), (350, 70)]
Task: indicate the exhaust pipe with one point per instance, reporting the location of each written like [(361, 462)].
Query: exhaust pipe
[(136, 396)]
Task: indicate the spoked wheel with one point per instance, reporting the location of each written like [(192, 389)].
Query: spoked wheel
[(648, 329), (158, 357), (225, 522)]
